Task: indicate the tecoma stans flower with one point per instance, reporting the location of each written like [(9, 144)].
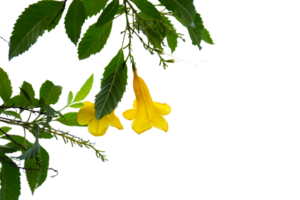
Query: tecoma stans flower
[(86, 115), (146, 113)]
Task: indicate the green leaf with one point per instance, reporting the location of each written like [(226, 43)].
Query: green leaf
[(147, 8), (93, 7), (18, 139), (93, 40), (32, 23), (121, 9), (7, 149), (76, 105), (44, 156), (5, 86), (70, 98), (113, 86), (35, 149), (45, 135), (5, 129), (184, 9), (206, 37), (12, 113), (26, 94), (10, 180), (70, 119), (74, 20), (171, 35), (50, 92), (85, 89), (195, 33), (192, 22), (32, 175), (108, 13), (14, 101)]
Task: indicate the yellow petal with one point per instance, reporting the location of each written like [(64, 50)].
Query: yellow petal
[(163, 108), (86, 113), (135, 104), (98, 128), (161, 123), (139, 126), (130, 113), (114, 121)]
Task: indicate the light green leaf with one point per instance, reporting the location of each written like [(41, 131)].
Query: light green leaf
[(93, 40), (69, 97), (10, 180), (32, 23), (50, 92), (70, 119), (76, 105), (108, 13), (5, 86), (74, 20), (113, 86), (85, 89), (147, 8)]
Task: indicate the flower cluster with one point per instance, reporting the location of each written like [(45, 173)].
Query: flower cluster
[(145, 113)]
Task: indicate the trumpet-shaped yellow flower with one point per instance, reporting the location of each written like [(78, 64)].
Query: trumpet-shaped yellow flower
[(86, 115), (146, 113)]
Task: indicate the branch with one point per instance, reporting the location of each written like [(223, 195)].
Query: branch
[(7, 135), (22, 108), (5, 40)]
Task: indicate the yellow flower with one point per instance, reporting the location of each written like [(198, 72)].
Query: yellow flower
[(86, 115), (146, 113)]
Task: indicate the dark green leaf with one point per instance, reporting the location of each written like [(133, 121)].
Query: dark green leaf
[(46, 135), (26, 95), (7, 149), (208, 37), (147, 8), (121, 9), (6, 85), (25, 35), (32, 174), (74, 20), (184, 9), (10, 180), (196, 32), (35, 149), (76, 105), (94, 40), (93, 7), (113, 85), (45, 162), (172, 38), (50, 92), (108, 13)]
